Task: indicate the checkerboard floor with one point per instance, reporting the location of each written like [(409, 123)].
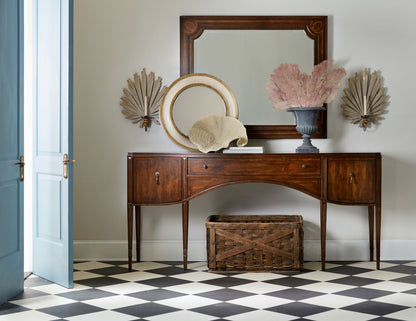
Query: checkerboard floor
[(158, 291)]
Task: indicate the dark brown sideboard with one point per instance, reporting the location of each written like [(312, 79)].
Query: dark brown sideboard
[(340, 178)]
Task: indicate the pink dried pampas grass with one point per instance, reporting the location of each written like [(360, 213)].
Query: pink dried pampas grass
[(289, 87)]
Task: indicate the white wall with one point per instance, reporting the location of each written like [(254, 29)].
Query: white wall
[(115, 38)]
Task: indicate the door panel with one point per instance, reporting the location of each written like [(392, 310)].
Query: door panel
[(11, 147), (52, 244)]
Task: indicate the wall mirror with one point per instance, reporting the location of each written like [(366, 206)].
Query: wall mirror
[(244, 50), (182, 105)]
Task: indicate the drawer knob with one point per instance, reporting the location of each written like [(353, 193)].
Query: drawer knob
[(304, 166), (157, 174), (205, 166), (351, 178)]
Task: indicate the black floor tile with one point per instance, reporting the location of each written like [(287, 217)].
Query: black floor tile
[(376, 308), (156, 295), (8, 308), (294, 294), (348, 270), (222, 309), (113, 270), (299, 309), (100, 281), (36, 281), (402, 269), (70, 310), (225, 294), (290, 281), (28, 293), (407, 279), (164, 282), (364, 293), (87, 294), (170, 270), (355, 281), (227, 282), (146, 310)]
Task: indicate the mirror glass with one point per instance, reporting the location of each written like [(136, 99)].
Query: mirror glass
[(244, 50), (244, 60), (188, 106)]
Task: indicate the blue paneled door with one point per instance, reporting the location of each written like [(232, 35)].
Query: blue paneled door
[(52, 146), (11, 148)]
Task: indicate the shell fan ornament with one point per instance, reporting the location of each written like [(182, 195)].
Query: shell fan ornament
[(365, 100), (141, 99)]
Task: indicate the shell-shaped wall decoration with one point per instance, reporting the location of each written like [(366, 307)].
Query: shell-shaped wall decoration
[(141, 99), (365, 100), (213, 132)]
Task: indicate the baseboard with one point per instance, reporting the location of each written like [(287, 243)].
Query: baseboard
[(165, 250)]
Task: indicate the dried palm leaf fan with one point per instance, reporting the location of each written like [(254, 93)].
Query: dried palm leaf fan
[(364, 99), (142, 98)]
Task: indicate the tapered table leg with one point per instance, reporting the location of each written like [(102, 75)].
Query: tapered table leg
[(371, 230), (378, 234), (137, 212), (323, 234), (129, 233), (185, 221)]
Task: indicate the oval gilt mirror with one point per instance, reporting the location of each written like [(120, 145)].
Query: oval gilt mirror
[(191, 98)]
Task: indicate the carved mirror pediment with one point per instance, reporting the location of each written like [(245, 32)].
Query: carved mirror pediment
[(244, 50)]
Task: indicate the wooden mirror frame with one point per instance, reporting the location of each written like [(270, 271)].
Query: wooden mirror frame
[(315, 27)]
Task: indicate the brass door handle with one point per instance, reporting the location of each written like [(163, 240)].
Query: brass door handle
[(157, 174), (22, 168), (65, 162)]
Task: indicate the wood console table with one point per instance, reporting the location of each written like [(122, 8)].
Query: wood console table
[(340, 178)]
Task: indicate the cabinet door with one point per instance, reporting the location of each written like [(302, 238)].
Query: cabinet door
[(351, 180), (156, 180)]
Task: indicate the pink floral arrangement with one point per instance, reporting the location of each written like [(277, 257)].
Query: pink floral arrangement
[(289, 87)]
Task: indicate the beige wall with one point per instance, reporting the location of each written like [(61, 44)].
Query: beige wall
[(115, 38)]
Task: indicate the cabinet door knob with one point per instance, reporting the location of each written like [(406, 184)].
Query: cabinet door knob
[(157, 174), (351, 178), (205, 166), (304, 166)]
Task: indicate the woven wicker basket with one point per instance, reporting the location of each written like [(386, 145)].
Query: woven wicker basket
[(238, 243)]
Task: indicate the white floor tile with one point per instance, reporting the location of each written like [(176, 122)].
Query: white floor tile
[(260, 301), (411, 264), (198, 276), (136, 276), (188, 302), (259, 276), (318, 265), (259, 287), (90, 265), (193, 288), (102, 315), (52, 288), (261, 315), (114, 302), (391, 286), (371, 265), (341, 315), (326, 287), (381, 275), (27, 316), (319, 276), (404, 315), (404, 299), (83, 275), (198, 266), (143, 266), (181, 316), (44, 301), (333, 301), (126, 288)]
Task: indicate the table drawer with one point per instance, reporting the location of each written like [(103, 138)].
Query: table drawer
[(254, 166)]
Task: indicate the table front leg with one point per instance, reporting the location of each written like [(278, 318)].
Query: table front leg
[(129, 233), (378, 234), (185, 221), (138, 215), (323, 233), (371, 230)]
